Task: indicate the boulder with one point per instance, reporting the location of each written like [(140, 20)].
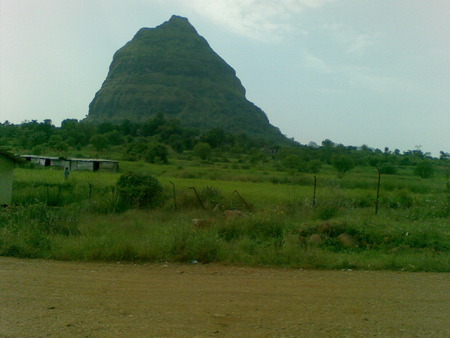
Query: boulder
[(315, 239), (347, 240)]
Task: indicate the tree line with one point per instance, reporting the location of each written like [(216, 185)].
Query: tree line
[(156, 138)]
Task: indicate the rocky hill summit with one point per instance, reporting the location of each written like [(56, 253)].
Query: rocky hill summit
[(172, 70)]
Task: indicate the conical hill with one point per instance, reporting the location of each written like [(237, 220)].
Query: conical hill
[(172, 70)]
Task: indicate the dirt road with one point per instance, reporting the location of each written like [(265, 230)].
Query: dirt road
[(45, 298)]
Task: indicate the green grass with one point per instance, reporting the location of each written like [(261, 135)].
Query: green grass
[(78, 219)]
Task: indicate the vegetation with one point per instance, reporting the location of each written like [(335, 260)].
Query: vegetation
[(342, 163), (239, 194), (138, 190), (84, 217), (171, 175)]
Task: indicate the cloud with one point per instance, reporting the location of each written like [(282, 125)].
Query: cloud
[(315, 63), (264, 20), (354, 42), (359, 44), (357, 76), (362, 76)]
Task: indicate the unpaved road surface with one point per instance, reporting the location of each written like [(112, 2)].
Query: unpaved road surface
[(70, 299)]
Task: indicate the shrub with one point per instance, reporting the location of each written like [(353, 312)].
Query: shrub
[(327, 212), (342, 163), (202, 150), (139, 191), (424, 169), (388, 169), (211, 195), (314, 166), (157, 153)]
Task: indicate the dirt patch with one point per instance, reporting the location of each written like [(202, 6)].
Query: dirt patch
[(47, 298)]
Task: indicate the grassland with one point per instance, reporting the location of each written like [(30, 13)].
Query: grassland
[(282, 224)]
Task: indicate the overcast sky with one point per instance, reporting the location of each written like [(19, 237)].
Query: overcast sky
[(373, 72)]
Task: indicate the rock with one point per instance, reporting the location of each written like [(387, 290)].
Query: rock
[(315, 239), (230, 214), (324, 228), (201, 222), (347, 240)]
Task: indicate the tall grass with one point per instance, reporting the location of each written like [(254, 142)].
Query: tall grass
[(78, 219)]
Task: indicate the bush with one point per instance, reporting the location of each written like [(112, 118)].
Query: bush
[(388, 169), (202, 150), (139, 191), (314, 166), (424, 169), (211, 196), (342, 163), (157, 153)]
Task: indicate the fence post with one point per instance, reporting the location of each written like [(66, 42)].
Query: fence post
[(59, 196), (90, 192), (378, 191), (243, 201), (174, 196), (198, 197), (48, 194), (315, 186)]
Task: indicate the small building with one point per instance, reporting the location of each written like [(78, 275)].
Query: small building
[(73, 163), (91, 164), (45, 161), (7, 163)]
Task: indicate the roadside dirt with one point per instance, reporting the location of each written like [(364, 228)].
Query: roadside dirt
[(46, 298)]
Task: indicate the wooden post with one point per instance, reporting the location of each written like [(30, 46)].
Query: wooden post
[(59, 196), (378, 190), (198, 197), (90, 191), (174, 196), (315, 186), (48, 194), (243, 201)]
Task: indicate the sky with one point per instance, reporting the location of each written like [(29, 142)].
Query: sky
[(373, 72)]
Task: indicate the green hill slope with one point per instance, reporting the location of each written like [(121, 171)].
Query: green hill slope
[(172, 70)]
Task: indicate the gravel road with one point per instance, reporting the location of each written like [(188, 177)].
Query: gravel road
[(61, 299)]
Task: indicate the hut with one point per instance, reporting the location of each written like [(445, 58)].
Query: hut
[(74, 163), (7, 163), (45, 161), (91, 164)]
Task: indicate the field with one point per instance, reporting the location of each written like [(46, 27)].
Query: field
[(284, 220)]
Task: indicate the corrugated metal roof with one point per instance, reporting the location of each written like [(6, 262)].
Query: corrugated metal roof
[(9, 156), (70, 159), (91, 160)]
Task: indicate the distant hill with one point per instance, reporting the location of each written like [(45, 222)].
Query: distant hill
[(172, 70)]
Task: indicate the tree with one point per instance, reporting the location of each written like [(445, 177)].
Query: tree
[(99, 142), (327, 150), (157, 152), (214, 137), (314, 166), (76, 133), (342, 163), (444, 156), (424, 169), (136, 150), (328, 143), (292, 161), (57, 143), (114, 137), (151, 126), (128, 128), (202, 150)]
